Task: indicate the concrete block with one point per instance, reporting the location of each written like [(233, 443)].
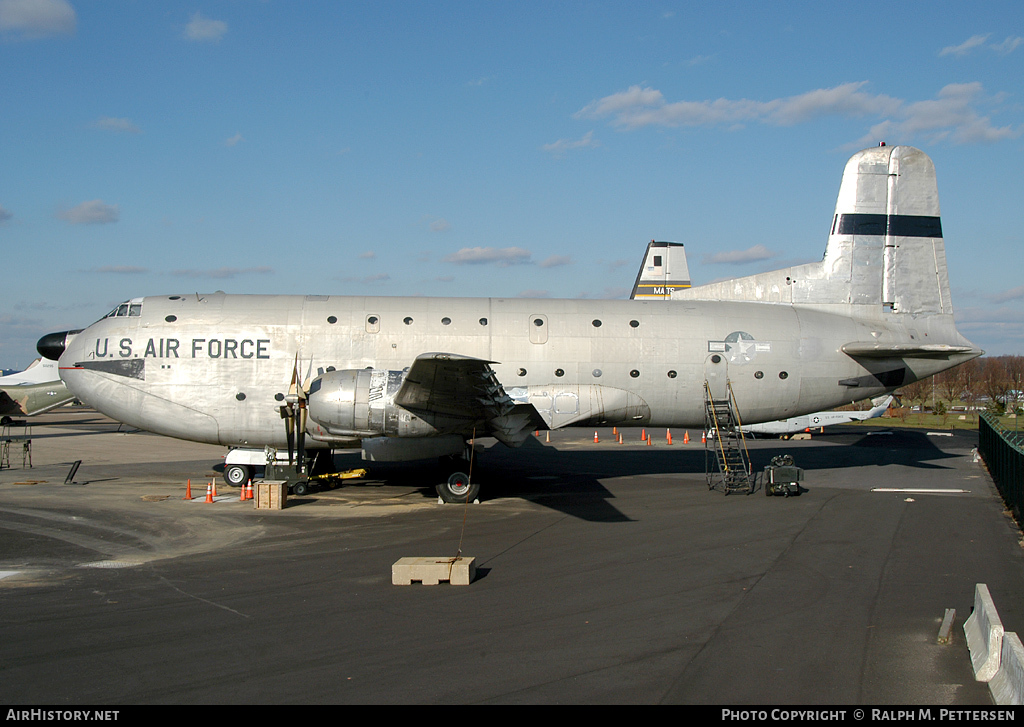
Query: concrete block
[(984, 631), (431, 571), (1007, 686)]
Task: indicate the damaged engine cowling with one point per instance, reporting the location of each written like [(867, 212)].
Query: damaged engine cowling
[(358, 403)]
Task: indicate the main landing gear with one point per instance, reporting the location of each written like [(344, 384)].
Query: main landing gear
[(455, 481)]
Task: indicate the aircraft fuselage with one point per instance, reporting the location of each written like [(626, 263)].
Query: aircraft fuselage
[(216, 368)]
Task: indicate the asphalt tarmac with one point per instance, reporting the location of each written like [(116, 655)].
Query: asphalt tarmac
[(607, 574)]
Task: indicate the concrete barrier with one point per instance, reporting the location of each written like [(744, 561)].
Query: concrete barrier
[(984, 633), (1007, 686)]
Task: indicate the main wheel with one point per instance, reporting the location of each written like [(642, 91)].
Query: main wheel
[(457, 488), (237, 475)]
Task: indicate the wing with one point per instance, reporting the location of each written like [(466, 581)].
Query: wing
[(459, 393)]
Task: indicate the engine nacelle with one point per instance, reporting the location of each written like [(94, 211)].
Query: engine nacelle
[(357, 403)]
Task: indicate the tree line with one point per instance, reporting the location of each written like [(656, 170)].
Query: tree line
[(995, 383)]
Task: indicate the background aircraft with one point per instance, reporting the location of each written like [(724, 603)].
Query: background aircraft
[(37, 389)]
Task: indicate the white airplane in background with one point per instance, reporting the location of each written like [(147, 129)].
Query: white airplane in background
[(786, 427), (33, 391), (410, 378)]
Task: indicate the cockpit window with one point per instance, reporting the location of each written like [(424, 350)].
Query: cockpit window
[(131, 308)]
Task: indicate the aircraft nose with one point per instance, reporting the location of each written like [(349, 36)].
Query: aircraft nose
[(52, 345)]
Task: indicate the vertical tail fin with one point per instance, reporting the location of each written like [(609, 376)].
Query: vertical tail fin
[(885, 247), (663, 270), (888, 233)]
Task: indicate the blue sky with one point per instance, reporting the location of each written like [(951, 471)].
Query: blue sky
[(483, 148)]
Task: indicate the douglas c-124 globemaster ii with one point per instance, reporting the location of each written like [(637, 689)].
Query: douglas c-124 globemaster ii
[(416, 378)]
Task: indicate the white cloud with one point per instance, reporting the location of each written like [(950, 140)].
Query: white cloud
[(368, 255), (638, 107), (221, 273), (233, 140), (738, 257), (109, 123), (964, 48), (978, 41), (440, 225), (37, 18), (562, 146), (204, 29), (1008, 295), (121, 269), (555, 261), (1007, 46), (951, 116), (95, 212), (502, 257)]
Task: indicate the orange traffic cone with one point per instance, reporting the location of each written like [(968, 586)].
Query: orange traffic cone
[(213, 484), (241, 493), (188, 490), (649, 441), (643, 435), (668, 435), (248, 491), (703, 437), (615, 431), (596, 440), (686, 437), (209, 492)]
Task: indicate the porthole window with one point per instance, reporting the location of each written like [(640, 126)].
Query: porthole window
[(240, 396), (278, 397), (596, 323), (407, 320), (759, 374), (446, 321), (171, 319), (332, 319), (634, 324), (483, 321), (522, 372), (672, 374), (597, 373), (538, 322), (372, 320), (783, 375), (559, 372), (716, 359), (634, 373)]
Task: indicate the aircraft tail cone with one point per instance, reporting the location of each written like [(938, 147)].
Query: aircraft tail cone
[(209, 492)]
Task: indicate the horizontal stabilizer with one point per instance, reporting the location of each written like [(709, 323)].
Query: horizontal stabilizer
[(905, 350)]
